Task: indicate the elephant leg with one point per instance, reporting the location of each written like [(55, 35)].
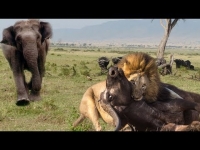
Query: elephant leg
[(35, 93), (19, 78), (34, 86), (22, 95), (41, 61), (35, 83)]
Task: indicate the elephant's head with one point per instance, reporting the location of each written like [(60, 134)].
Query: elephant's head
[(29, 37), (26, 32)]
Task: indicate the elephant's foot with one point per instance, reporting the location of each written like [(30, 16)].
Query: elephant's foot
[(23, 102), (35, 96)]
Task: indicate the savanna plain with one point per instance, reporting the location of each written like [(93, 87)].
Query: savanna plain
[(66, 80)]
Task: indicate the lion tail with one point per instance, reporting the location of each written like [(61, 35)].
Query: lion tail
[(79, 120)]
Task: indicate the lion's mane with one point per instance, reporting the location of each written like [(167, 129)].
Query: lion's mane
[(142, 63)]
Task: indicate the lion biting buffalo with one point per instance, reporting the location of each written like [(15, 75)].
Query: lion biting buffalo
[(166, 113), (157, 106)]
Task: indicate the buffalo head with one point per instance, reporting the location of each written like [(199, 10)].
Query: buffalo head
[(118, 88)]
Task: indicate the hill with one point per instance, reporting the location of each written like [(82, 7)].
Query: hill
[(146, 31)]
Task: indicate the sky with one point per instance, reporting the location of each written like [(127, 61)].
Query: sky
[(60, 23)]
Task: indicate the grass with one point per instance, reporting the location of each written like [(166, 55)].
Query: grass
[(66, 81)]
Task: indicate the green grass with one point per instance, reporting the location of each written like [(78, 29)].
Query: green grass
[(64, 84)]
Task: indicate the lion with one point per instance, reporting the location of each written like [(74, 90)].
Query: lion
[(140, 83), (141, 69), (141, 63)]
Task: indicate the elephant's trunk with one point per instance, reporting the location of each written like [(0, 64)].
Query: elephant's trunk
[(110, 110), (30, 52)]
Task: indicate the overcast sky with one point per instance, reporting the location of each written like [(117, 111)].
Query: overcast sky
[(60, 23)]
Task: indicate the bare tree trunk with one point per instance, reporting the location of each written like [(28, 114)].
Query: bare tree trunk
[(162, 45), (168, 28)]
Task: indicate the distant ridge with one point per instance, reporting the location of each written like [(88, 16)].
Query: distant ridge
[(132, 30)]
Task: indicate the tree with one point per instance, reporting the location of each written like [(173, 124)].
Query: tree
[(170, 23)]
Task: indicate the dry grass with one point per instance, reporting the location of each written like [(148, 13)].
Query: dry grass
[(64, 83)]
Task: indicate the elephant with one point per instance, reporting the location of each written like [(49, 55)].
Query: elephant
[(25, 46)]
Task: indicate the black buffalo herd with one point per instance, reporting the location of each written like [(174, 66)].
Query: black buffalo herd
[(166, 69), (183, 63), (104, 61)]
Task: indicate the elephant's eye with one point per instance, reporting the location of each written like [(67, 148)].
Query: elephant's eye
[(18, 39), (38, 36), (17, 28)]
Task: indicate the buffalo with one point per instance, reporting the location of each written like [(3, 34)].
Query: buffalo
[(115, 60), (170, 108), (186, 64), (103, 63)]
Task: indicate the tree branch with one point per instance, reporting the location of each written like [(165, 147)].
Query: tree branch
[(161, 22), (174, 23), (168, 25)]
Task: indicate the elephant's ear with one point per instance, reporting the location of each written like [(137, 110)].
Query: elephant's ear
[(45, 30), (9, 36)]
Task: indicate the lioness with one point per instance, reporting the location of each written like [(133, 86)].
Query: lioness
[(91, 108)]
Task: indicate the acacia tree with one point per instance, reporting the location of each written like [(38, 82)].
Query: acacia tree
[(168, 26)]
